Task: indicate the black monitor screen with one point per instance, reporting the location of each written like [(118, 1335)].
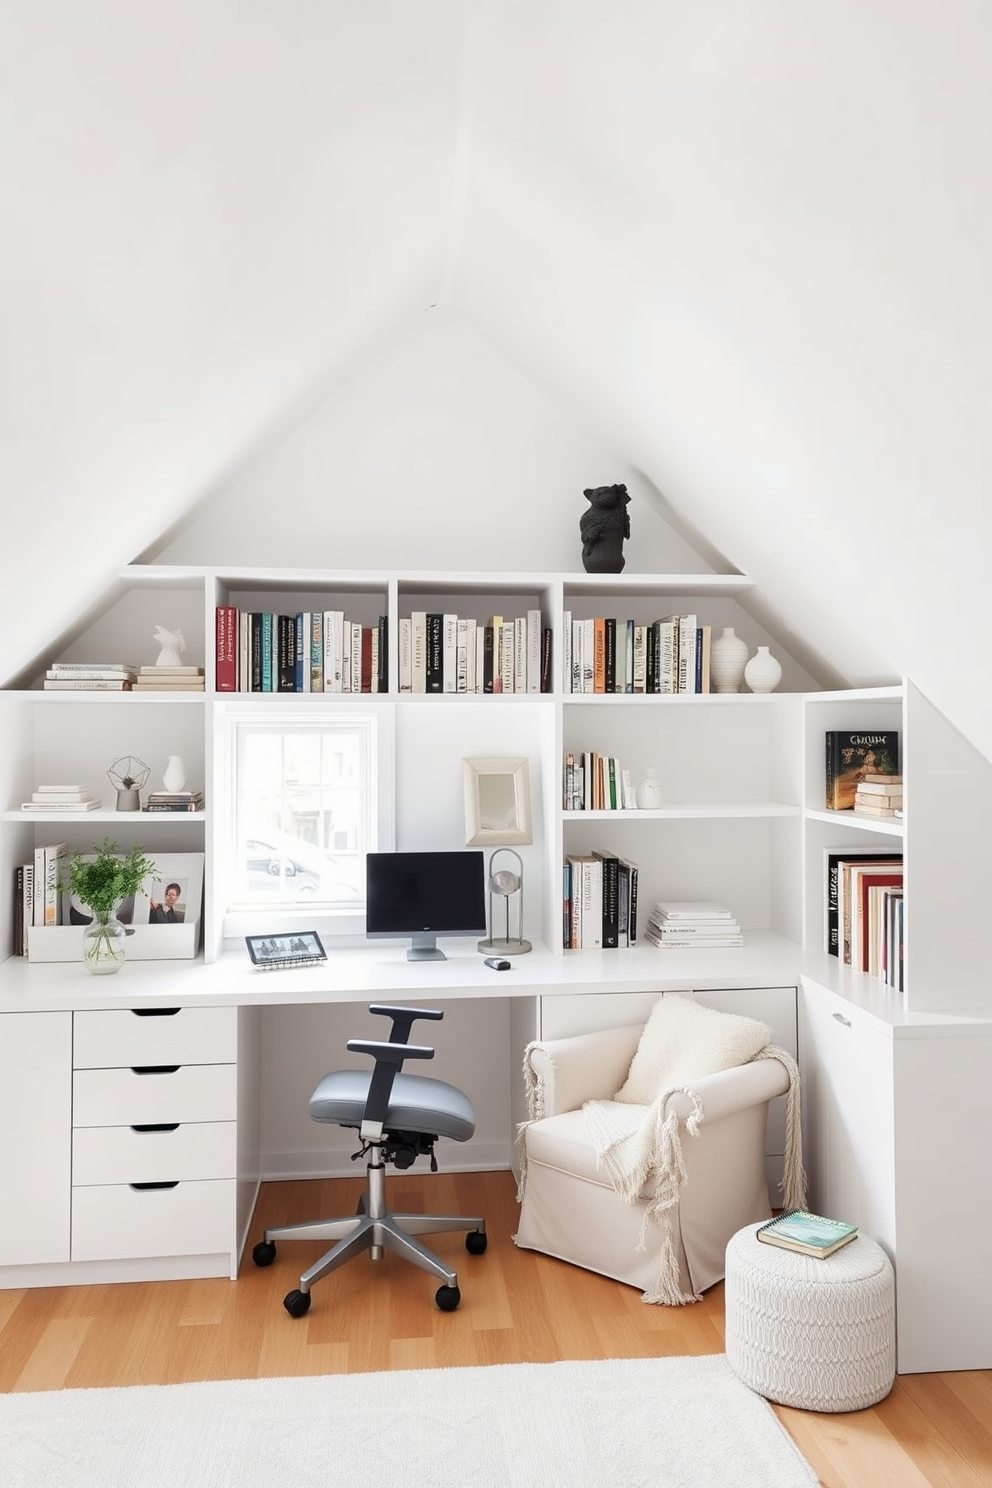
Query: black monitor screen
[(422, 895)]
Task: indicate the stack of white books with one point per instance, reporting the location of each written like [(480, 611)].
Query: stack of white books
[(170, 679), (90, 676), (62, 798), (688, 924)]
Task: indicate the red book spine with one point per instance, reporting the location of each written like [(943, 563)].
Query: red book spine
[(227, 648)]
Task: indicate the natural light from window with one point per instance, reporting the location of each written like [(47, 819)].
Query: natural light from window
[(304, 812)]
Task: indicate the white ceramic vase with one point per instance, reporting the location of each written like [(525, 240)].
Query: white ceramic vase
[(175, 774), (763, 673), (649, 791), (728, 656)]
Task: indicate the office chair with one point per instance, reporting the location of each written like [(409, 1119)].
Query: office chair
[(399, 1118)]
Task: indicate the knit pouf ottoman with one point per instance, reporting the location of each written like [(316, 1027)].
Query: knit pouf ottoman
[(810, 1332)]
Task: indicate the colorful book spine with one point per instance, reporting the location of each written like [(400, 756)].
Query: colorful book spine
[(226, 657)]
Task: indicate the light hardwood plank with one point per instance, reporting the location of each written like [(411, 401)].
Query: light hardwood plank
[(933, 1431)]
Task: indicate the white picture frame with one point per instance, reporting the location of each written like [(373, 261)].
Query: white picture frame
[(497, 801), (182, 869)]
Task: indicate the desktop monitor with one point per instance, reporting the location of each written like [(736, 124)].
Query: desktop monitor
[(420, 895)]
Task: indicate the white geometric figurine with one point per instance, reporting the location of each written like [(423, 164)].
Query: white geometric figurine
[(173, 644)]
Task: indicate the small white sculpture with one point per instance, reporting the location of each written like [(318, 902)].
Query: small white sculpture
[(173, 644)]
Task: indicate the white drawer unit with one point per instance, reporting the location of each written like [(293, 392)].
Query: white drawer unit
[(153, 1093), (150, 1036), (155, 1153), (154, 1142), (117, 1221)]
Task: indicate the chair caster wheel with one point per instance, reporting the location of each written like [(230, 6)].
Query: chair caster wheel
[(476, 1242), (297, 1303), (264, 1253), (447, 1298)]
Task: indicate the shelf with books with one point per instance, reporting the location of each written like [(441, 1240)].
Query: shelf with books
[(289, 636), (470, 647)]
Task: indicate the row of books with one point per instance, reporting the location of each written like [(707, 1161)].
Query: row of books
[(306, 651), (454, 653), (596, 782), (37, 891), (864, 924), (604, 654), (692, 924), (599, 902), (858, 757)]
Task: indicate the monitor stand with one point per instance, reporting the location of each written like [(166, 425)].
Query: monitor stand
[(425, 948)]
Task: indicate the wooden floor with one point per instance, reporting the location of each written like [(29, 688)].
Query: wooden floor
[(517, 1306)]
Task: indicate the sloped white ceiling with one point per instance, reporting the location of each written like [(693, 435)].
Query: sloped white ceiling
[(747, 243)]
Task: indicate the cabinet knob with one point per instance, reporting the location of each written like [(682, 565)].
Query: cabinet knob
[(839, 1018)]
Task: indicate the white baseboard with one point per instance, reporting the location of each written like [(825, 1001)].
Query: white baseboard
[(485, 1157)]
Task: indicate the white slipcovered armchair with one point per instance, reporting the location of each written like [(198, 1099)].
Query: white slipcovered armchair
[(661, 1224)]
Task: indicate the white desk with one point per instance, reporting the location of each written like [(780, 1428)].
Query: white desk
[(80, 1076)]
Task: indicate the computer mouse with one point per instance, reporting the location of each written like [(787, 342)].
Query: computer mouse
[(497, 963)]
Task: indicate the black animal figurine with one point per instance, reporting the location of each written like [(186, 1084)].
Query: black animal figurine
[(604, 527)]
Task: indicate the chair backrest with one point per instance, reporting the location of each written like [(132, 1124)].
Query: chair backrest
[(389, 1057)]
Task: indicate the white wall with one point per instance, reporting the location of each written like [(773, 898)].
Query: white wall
[(438, 454)]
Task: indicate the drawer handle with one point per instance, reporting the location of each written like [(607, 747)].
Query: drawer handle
[(143, 1187), (155, 1012), (154, 1069), (839, 1018), (157, 1126)]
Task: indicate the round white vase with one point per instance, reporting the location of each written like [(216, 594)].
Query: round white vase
[(175, 774), (728, 657), (763, 673), (649, 791)]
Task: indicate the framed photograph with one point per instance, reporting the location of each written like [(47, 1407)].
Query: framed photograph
[(302, 948), (175, 895), (497, 802)]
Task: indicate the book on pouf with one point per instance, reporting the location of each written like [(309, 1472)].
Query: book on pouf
[(810, 1234)]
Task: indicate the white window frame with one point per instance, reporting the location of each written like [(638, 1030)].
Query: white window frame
[(338, 925)]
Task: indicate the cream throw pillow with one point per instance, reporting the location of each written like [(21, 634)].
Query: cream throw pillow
[(681, 1041)]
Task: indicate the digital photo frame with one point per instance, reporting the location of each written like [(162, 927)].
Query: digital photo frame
[(272, 952)]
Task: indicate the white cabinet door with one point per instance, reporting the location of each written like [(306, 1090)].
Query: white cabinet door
[(848, 1115), (35, 1136)]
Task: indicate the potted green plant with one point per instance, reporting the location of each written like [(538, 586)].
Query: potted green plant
[(100, 881)]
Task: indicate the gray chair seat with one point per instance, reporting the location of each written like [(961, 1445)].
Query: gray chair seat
[(416, 1104)]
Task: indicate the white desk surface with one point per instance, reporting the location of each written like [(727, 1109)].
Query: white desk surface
[(382, 973)]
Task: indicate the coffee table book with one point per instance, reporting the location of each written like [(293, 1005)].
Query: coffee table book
[(810, 1234)]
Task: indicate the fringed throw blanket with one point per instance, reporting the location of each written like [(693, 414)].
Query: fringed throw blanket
[(648, 1163)]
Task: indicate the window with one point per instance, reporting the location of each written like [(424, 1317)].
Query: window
[(306, 804)]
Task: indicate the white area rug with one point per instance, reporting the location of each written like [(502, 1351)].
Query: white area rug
[(618, 1423)]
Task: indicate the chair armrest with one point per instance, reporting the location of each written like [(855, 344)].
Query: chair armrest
[(733, 1090), (589, 1066)]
